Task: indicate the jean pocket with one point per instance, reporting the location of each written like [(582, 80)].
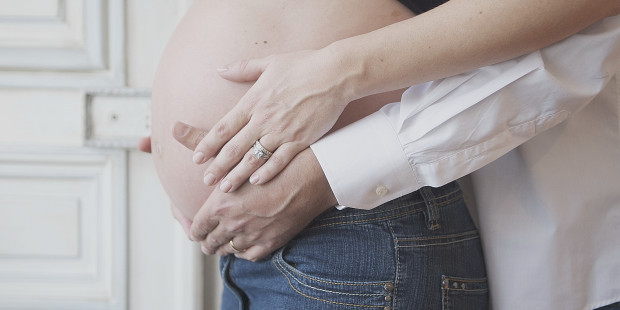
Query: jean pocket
[(336, 294), (464, 293)]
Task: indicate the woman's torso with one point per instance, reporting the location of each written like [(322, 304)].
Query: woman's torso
[(215, 33)]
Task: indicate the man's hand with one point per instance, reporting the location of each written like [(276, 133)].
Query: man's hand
[(260, 218), (144, 144)]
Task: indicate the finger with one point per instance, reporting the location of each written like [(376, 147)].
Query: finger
[(240, 173), (230, 155), (218, 238), (185, 222), (238, 246), (223, 131), (188, 135), (254, 253), (276, 163), (244, 71), (202, 225), (144, 144)]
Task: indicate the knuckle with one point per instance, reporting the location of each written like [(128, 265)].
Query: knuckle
[(221, 130), (276, 161), (270, 245), (211, 243), (251, 159), (232, 150), (281, 128), (197, 234), (235, 227), (218, 211)]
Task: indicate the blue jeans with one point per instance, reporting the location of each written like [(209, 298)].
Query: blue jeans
[(615, 306), (420, 251)]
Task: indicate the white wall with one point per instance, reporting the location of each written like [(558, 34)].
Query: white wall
[(84, 223)]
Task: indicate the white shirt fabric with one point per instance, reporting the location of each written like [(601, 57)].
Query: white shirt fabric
[(548, 207)]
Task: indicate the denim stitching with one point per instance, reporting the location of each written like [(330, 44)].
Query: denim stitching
[(434, 244), (316, 298), (279, 257), (398, 268), (442, 203), (370, 220), (288, 271), (439, 243), (467, 233), (378, 212), (226, 276), (446, 289)]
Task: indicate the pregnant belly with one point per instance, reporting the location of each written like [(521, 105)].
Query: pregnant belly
[(215, 33)]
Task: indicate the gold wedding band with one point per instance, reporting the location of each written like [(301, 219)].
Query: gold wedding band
[(232, 245)]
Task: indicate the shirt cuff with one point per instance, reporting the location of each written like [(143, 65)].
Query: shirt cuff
[(365, 164)]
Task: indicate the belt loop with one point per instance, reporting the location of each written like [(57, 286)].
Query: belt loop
[(432, 211)]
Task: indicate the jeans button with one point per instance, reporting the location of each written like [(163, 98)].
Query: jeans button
[(389, 287)]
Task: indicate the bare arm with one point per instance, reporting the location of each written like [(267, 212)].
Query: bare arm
[(462, 35), (298, 96)]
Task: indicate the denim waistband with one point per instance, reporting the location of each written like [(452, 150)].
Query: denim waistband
[(426, 199)]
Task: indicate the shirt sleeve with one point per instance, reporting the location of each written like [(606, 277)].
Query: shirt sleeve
[(445, 129)]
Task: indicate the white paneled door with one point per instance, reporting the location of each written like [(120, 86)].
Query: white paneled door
[(84, 223)]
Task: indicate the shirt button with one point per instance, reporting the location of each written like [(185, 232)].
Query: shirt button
[(389, 287), (381, 190)]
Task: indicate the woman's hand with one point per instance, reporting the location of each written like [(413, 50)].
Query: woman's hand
[(296, 99)]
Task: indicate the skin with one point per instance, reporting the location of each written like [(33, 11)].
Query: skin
[(287, 113), (251, 216), (189, 88), (330, 77)]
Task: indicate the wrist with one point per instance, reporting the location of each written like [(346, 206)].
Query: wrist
[(351, 68)]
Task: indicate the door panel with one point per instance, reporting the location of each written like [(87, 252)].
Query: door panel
[(84, 222)]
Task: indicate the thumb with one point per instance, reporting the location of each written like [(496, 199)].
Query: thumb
[(188, 135), (248, 70)]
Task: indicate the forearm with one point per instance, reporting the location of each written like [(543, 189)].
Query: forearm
[(445, 129), (459, 36)]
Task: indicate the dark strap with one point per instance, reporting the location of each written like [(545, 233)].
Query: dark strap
[(421, 6)]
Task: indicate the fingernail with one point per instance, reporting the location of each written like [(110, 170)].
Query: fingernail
[(254, 179), (209, 179), (203, 249), (198, 157), (226, 186), (180, 130), (222, 69)]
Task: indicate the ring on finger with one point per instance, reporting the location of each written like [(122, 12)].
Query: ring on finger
[(260, 151), (237, 250)]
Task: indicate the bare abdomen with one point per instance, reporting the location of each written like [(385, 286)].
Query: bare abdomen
[(215, 33)]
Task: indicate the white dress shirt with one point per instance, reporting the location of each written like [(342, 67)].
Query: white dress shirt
[(549, 206)]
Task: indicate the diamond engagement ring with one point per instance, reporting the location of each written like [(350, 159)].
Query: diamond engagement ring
[(260, 151)]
